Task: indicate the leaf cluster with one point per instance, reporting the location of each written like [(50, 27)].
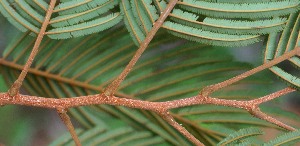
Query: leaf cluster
[(88, 45)]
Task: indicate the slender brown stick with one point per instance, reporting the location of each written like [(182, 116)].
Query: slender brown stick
[(111, 89), (160, 108), (181, 129), (257, 113), (67, 121), (65, 103), (212, 88), (14, 89), (273, 95)]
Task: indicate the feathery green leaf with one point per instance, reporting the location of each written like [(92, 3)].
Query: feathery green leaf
[(77, 6), (241, 10), (130, 22), (16, 19), (75, 18), (207, 37), (86, 28), (229, 26), (240, 135), (289, 138)]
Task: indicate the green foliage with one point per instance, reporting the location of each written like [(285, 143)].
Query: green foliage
[(74, 18), (207, 22), (90, 27), (205, 37), (285, 139), (56, 73), (243, 137), (100, 135), (240, 136), (287, 42), (131, 24), (250, 9), (229, 26), (16, 19), (81, 55)]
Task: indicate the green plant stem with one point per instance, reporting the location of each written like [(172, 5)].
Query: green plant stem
[(113, 87), (14, 89)]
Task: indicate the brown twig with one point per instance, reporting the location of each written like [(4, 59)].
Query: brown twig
[(273, 95), (212, 88), (113, 87), (158, 107), (161, 108), (259, 114), (67, 121), (14, 89), (167, 117)]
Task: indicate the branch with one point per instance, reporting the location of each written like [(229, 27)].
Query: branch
[(181, 129), (212, 88), (259, 114), (67, 121), (273, 95), (161, 108), (14, 89), (112, 88)]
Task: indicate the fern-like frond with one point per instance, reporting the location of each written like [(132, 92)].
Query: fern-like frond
[(241, 119), (229, 26), (24, 9), (42, 4), (71, 18), (160, 5), (294, 38), (130, 22), (286, 43), (77, 6), (247, 27), (118, 136), (142, 14), (150, 10), (39, 5), (289, 138), (270, 47), (291, 80), (74, 18), (81, 29), (240, 135), (16, 19), (208, 37), (241, 10)]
